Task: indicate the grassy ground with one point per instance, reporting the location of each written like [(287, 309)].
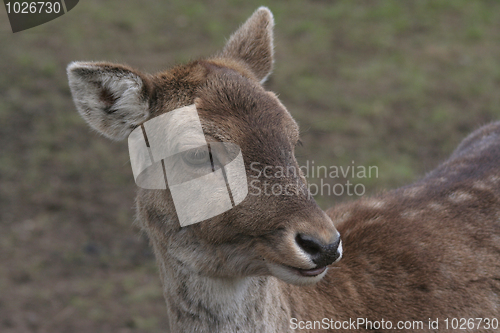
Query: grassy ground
[(391, 84)]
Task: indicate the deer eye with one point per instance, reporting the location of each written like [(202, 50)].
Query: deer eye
[(196, 156)]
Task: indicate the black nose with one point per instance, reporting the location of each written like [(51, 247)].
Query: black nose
[(321, 254)]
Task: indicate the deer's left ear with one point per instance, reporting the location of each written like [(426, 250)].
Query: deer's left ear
[(252, 43), (113, 99)]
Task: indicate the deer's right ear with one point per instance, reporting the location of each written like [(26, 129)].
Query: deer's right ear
[(113, 99), (252, 43)]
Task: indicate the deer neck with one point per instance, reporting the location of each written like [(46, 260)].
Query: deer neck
[(198, 303)]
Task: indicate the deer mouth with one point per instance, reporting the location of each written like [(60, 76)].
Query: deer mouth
[(309, 272), (295, 275)]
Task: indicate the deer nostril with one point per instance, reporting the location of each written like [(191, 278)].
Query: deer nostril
[(309, 244), (321, 254)]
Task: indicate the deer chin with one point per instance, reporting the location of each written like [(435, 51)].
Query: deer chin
[(295, 275)]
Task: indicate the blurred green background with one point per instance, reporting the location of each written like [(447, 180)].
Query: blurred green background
[(392, 84)]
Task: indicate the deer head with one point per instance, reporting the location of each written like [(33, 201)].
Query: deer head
[(285, 235)]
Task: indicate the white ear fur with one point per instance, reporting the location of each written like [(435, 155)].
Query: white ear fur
[(110, 98), (253, 43)]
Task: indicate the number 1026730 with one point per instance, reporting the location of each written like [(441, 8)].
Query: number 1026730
[(35, 7), (471, 323)]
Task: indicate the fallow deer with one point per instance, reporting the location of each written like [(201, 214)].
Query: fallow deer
[(425, 252)]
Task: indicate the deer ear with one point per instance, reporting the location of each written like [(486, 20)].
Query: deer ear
[(113, 99), (253, 43)]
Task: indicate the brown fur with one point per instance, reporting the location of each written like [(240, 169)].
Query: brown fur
[(424, 251)]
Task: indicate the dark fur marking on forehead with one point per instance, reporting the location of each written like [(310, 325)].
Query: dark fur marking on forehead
[(233, 107), (227, 93)]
